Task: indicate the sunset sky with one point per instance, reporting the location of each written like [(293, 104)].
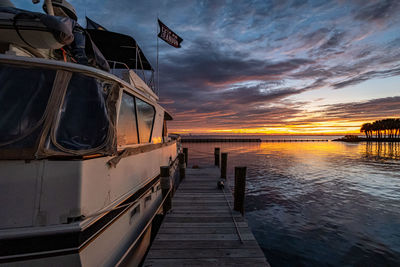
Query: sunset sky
[(276, 67)]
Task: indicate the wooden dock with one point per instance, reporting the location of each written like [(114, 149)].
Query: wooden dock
[(202, 229)]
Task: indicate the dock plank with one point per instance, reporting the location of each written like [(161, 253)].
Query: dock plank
[(206, 230), (205, 253), (201, 219), (207, 224), (202, 230), (200, 244), (216, 262), (210, 237)]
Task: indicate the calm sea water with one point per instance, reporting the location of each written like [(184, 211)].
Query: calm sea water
[(319, 203)]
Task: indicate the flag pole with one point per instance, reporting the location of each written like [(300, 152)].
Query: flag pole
[(136, 55), (158, 76)]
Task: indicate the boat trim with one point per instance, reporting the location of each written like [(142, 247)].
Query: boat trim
[(130, 151)]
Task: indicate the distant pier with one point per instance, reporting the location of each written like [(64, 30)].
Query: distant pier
[(246, 140), (221, 140)]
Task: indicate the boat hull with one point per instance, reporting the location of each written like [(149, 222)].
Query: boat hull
[(75, 219)]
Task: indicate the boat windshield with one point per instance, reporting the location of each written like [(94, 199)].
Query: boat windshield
[(48, 114), (83, 119), (24, 93)]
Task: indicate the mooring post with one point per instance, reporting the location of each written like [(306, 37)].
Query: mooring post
[(224, 162), (185, 151), (216, 155), (182, 167), (165, 181), (240, 186)]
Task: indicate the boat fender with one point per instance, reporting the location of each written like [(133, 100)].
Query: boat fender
[(220, 185), (78, 45), (61, 28)]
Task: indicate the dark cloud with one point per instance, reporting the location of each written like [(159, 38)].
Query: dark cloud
[(299, 3), (366, 76), (210, 68), (253, 96), (377, 10), (242, 63), (334, 41), (315, 36), (368, 110)]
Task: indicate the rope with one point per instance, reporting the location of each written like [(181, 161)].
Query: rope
[(17, 30), (233, 218)]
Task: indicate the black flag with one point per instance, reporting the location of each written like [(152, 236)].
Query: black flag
[(91, 25), (169, 36)]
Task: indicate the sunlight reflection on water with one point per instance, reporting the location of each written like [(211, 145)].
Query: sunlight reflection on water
[(323, 203)]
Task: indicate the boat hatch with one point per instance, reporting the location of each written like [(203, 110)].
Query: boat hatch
[(47, 112)]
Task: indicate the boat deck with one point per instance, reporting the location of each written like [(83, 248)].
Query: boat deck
[(202, 229)]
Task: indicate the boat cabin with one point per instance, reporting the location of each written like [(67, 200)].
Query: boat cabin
[(54, 109)]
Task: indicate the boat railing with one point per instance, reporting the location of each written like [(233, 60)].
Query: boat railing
[(114, 64), (117, 66)]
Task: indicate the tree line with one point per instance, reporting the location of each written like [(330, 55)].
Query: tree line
[(387, 128)]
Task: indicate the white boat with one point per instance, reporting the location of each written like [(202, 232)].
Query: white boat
[(80, 157)]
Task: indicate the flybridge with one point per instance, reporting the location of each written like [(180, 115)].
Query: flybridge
[(121, 51)]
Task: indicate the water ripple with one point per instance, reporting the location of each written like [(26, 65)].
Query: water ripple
[(323, 203)]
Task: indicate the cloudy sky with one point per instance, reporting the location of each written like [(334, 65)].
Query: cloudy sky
[(288, 67)]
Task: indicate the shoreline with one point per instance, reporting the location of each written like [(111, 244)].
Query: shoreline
[(363, 139)]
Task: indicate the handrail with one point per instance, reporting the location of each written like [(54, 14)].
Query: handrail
[(67, 66), (115, 63), (150, 83)]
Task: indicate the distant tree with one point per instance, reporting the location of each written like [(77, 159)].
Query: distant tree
[(367, 129), (386, 128)]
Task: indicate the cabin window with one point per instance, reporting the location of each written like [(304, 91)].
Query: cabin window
[(146, 114), (83, 119), (127, 130), (24, 93)]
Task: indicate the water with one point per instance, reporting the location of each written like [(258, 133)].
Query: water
[(268, 137), (319, 203)]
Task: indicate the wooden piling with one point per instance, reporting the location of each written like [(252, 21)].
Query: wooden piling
[(240, 186), (185, 151), (165, 182), (224, 162), (217, 152), (182, 166)]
